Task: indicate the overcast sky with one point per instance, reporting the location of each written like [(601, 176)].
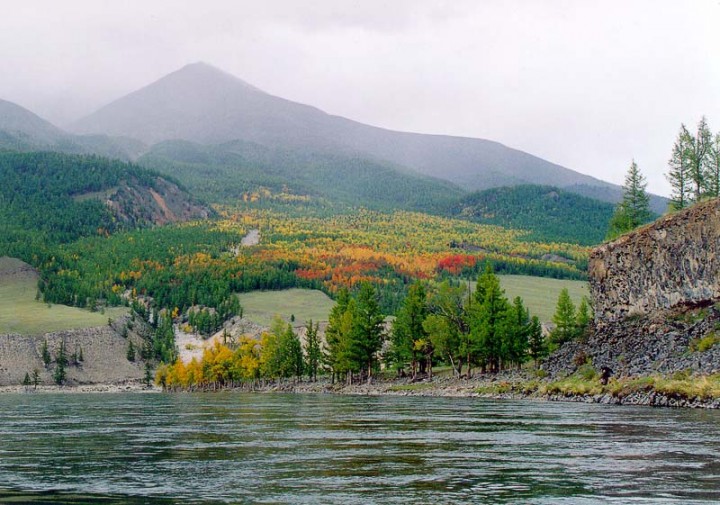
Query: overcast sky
[(586, 84)]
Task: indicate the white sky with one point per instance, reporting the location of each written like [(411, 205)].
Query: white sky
[(586, 84)]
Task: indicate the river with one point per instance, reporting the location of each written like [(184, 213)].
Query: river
[(265, 448)]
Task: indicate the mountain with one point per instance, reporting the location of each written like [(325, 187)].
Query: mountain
[(205, 105), (224, 172), (22, 130), (550, 213)]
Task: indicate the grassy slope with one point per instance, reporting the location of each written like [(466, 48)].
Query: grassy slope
[(540, 294), (20, 313), (263, 306)]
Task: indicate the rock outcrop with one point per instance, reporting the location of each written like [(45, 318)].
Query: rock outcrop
[(103, 349), (673, 262)]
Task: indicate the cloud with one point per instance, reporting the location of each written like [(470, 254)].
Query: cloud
[(589, 85)]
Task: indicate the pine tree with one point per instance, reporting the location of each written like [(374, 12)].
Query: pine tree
[(61, 362), (515, 346), (407, 329), (634, 209), (537, 346), (489, 316), (26, 381), (712, 176), (564, 319), (148, 379), (35, 378), (583, 316), (291, 351), (699, 158), (679, 174), (46, 354), (335, 334), (130, 355), (367, 327), (446, 325), (313, 350)]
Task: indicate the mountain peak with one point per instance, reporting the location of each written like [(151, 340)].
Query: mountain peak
[(206, 75)]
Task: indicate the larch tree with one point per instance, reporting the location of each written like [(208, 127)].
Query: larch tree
[(367, 327), (489, 318), (408, 332), (698, 154), (537, 346), (679, 170), (634, 209), (712, 173), (313, 350), (564, 319)]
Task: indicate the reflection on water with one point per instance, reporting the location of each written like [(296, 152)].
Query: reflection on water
[(243, 448)]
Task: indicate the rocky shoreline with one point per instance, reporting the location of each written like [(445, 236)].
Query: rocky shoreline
[(444, 387), (120, 387)]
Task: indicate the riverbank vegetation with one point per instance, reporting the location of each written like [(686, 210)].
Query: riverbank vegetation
[(436, 324)]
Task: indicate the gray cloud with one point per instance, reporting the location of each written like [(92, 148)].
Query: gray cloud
[(589, 85)]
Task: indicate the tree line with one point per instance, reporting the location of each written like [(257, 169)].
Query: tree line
[(480, 331), (693, 173)]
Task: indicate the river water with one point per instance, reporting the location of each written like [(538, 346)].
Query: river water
[(264, 448)]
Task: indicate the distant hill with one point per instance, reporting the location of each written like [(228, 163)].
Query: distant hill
[(22, 130), (552, 214), (224, 172), (54, 198), (202, 104)]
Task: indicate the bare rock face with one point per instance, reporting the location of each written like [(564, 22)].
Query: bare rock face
[(103, 350), (670, 263)]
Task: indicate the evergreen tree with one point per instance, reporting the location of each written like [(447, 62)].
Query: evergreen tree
[(634, 209), (81, 358), (489, 322), (35, 378), (712, 179), (148, 379), (564, 319), (335, 334), (61, 362), (367, 327), (515, 346), (698, 152), (679, 173), (313, 350), (292, 355), (408, 335), (26, 381), (46, 354), (130, 355), (537, 346), (583, 316)]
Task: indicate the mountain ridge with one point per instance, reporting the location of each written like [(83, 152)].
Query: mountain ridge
[(203, 104)]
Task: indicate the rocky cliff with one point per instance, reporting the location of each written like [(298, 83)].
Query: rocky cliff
[(655, 293), (103, 349), (670, 263)]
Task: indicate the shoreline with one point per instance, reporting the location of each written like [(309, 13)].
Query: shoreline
[(111, 388), (492, 389)]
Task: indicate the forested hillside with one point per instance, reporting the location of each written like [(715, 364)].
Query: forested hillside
[(549, 213), (50, 198), (227, 171)]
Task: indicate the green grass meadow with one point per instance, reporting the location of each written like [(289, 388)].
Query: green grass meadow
[(21, 313), (262, 306), (540, 294)]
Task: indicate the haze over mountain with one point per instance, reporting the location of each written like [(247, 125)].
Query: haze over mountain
[(23, 130), (202, 104)]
